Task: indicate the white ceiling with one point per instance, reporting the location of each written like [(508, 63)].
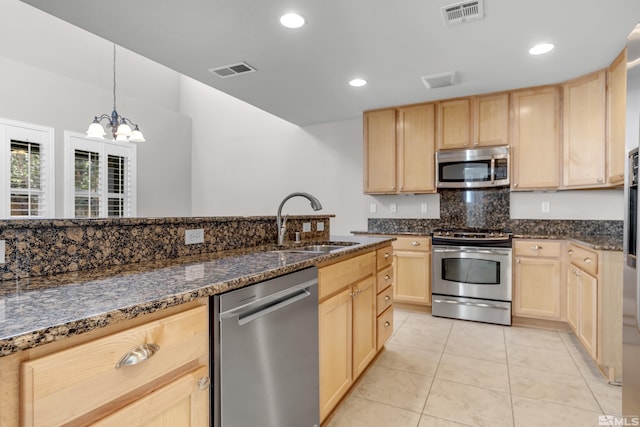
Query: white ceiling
[(303, 74)]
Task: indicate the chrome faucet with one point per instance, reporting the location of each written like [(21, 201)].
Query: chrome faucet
[(282, 225)]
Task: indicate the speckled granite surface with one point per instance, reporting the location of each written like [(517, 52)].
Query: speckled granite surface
[(38, 310), (600, 235), (47, 247)]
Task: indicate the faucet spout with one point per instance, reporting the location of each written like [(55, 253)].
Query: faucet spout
[(282, 225)]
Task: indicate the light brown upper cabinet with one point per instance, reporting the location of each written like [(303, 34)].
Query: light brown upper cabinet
[(584, 148), (477, 121), (399, 150), (616, 118), (535, 139), (380, 151)]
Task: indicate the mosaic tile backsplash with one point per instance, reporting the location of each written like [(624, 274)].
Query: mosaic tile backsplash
[(46, 247)]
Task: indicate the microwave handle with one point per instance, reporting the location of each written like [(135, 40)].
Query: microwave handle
[(493, 170)]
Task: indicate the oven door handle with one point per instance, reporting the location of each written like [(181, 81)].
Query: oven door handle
[(472, 251), (472, 304)]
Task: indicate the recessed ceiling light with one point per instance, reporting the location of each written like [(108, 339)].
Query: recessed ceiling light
[(358, 82), (292, 20), (541, 48)]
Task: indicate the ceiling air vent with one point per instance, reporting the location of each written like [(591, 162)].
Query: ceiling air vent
[(461, 12), (435, 81), (232, 70)]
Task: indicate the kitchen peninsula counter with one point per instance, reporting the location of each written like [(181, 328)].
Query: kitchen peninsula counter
[(38, 310)]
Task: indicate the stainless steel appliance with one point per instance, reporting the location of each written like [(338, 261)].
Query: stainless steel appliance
[(631, 292), (484, 167), (471, 271), (265, 353)]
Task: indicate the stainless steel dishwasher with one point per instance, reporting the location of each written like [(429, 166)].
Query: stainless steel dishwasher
[(264, 346)]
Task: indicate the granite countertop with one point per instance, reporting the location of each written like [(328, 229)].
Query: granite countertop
[(39, 310), (599, 242)]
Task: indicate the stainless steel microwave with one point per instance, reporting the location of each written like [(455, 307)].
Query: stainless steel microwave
[(483, 167)]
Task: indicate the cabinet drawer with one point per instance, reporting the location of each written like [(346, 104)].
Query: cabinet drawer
[(385, 327), (385, 299), (63, 386), (584, 258), (384, 256), (335, 277), (385, 278), (412, 244), (535, 248)]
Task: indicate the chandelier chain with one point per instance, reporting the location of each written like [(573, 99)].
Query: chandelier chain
[(114, 76)]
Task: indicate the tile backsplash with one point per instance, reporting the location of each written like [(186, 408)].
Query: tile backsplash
[(480, 208)]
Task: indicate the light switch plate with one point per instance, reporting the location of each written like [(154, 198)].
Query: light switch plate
[(194, 236), (2, 249), (546, 207), (423, 208), (373, 208)]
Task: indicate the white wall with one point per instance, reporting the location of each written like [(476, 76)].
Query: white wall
[(245, 161), (55, 74)]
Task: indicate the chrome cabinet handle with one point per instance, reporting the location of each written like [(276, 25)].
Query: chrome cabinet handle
[(600, 180), (415, 243), (138, 354), (587, 260), (536, 247), (515, 184), (518, 260), (570, 251), (386, 255), (387, 298), (387, 324), (387, 277), (203, 383)]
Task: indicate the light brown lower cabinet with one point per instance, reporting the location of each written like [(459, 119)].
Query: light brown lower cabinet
[(537, 289), (349, 321), (79, 382), (412, 270)]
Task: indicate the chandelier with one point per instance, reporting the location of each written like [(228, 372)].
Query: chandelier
[(121, 127)]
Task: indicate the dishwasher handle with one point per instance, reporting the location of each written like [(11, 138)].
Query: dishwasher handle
[(256, 309)]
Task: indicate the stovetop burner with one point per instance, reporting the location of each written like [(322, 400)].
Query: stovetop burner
[(471, 236)]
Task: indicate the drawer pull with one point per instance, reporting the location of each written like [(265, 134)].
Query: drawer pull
[(387, 324), (570, 251), (518, 260), (387, 298), (415, 243), (387, 255), (587, 260), (138, 354), (387, 277), (536, 247), (203, 383)]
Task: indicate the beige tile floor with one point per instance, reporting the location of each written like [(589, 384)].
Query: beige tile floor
[(438, 372)]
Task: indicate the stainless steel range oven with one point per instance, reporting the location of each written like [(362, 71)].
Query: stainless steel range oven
[(471, 273)]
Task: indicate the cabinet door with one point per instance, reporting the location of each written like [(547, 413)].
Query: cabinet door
[(412, 271), (491, 120), (588, 330), (364, 325), (416, 149), (616, 118), (335, 341), (573, 295), (180, 403), (380, 151), (535, 139), (454, 124), (584, 154), (537, 288)]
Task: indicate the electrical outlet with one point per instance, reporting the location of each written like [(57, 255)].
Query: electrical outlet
[(320, 226), (2, 252), (393, 208), (373, 208), (306, 227), (194, 236), (424, 208), (545, 207)]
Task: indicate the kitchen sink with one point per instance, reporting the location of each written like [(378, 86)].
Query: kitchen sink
[(318, 249)]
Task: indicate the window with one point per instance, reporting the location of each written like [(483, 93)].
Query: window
[(100, 178), (26, 183)]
